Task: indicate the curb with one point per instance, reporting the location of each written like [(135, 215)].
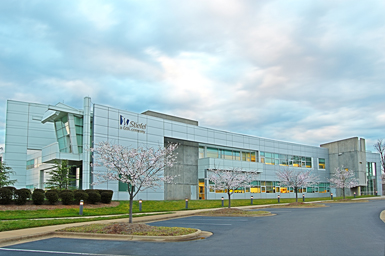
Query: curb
[(127, 237), (44, 235)]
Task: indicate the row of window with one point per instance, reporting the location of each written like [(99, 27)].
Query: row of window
[(285, 160), (274, 187), (249, 156), (266, 157)]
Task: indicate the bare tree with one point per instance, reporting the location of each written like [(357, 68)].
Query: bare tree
[(296, 179), (140, 168), (343, 178), (380, 147), (230, 180)]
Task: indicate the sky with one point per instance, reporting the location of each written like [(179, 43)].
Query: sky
[(301, 71)]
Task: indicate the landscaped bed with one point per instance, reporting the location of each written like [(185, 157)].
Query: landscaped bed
[(124, 228)]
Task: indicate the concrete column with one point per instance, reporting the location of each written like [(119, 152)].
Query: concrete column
[(86, 175)]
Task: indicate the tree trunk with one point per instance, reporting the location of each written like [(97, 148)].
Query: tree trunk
[(343, 192), (131, 202), (296, 194), (229, 206)]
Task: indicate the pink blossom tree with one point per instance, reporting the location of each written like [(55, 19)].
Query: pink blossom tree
[(140, 168), (296, 179), (230, 180), (343, 178)]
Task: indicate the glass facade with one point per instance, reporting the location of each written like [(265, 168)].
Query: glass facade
[(258, 186), (63, 134), (63, 131), (371, 186), (79, 132), (286, 160)]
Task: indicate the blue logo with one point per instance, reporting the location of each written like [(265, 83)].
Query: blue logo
[(124, 121)]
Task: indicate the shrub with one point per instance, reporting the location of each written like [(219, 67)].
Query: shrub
[(80, 195), (94, 197), (28, 192), (53, 190), (64, 191), (106, 197), (39, 190), (67, 197), (21, 196), (13, 189), (38, 197), (92, 190), (5, 196), (52, 196)]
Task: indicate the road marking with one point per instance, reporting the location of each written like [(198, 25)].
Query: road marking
[(188, 223), (56, 252)]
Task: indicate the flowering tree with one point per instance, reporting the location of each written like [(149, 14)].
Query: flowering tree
[(296, 179), (343, 178), (140, 168), (230, 180)]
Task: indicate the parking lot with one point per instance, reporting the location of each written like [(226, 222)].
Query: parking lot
[(340, 229)]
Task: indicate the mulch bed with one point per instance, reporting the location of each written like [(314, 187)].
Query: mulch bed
[(30, 206), (124, 228)]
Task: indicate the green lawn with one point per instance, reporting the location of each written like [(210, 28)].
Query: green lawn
[(147, 206), (21, 224)]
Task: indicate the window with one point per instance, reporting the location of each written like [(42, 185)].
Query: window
[(321, 163), (201, 152), (212, 152), (227, 154)]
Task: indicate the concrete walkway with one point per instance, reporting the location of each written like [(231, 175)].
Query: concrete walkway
[(31, 234)]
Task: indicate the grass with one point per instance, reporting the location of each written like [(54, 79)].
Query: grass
[(131, 229), (21, 224), (147, 206), (20, 219)]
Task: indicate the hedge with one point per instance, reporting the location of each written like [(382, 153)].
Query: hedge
[(52, 196), (38, 197), (21, 196), (5, 196)]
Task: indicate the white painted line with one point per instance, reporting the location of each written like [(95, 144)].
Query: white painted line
[(56, 252), (188, 223)]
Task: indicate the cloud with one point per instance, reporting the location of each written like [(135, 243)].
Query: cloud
[(301, 71)]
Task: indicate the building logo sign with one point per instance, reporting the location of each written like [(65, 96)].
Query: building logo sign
[(126, 124)]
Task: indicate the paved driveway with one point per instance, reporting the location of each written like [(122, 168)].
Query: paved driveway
[(341, 229)]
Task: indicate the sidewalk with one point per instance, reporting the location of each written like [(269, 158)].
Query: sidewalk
[(31, 234)]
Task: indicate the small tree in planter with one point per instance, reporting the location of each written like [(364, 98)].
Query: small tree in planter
[(140, 168), (230, 180), (296, 179), (343, 178)]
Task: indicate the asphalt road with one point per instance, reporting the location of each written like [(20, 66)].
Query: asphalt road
[(341, 229)]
